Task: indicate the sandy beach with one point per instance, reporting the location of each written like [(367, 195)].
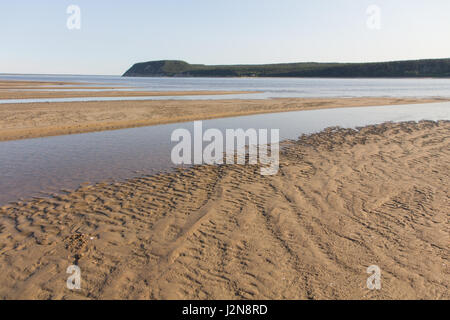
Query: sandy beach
[(32, 120), (225, 159), (343, 200)]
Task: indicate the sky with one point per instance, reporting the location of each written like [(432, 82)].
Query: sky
[(113, 35)]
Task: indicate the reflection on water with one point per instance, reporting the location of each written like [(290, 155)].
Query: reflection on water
[(34, 167)]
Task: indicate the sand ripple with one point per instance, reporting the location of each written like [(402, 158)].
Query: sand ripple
[(343, 200)]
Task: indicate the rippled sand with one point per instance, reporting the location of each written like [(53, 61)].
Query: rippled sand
[(343, 200)]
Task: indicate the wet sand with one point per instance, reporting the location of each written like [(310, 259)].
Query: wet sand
[(12, 84), (58, 89), (31, 120), (343, 200), (27, 94)]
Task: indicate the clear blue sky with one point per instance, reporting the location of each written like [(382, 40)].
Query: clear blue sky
[(115, 34)]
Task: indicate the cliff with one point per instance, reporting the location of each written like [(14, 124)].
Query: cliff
[(411, 68)]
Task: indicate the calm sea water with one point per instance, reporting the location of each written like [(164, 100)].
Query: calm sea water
[(266, 87), (35, 167)]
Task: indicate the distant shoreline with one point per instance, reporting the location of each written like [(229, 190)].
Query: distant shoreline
[(435, 68), (171, 77)]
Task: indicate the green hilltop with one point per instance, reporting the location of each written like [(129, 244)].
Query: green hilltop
[(411, 68)]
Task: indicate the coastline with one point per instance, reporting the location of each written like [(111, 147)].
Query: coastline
[(343, 200), (33, 120)]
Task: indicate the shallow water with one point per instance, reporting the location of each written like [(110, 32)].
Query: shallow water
[(36, 167), (267, 87)]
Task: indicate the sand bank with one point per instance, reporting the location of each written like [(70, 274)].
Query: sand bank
[(24, 94), (31, 120), (343, 200), (13, 84), (58, 89)]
